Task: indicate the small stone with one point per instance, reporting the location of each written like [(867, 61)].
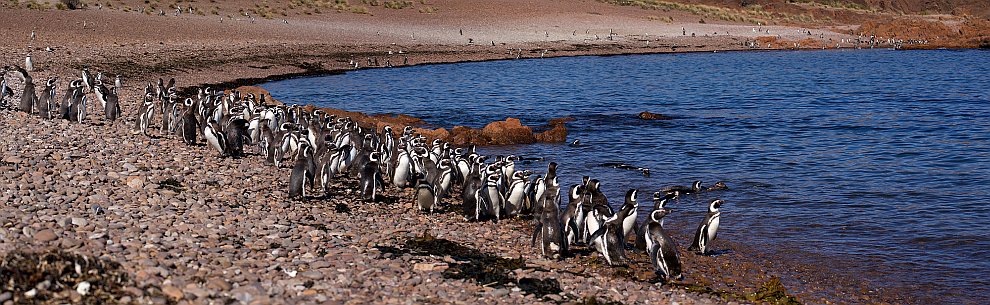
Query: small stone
[(218, 284), (6, 296), (46, 235), (79, 221), (83, 288), (423, 267), (31, 293), (172, 292), (135, 182), (312, 274)]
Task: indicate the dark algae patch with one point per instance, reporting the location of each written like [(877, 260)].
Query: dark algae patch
[(171, 184), (59, 277), (773, 292), (770, 292), (483, 268)]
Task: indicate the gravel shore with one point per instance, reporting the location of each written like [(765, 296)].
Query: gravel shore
[(187, 226)]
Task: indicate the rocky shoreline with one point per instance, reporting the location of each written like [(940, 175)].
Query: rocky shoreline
[(187, 227)]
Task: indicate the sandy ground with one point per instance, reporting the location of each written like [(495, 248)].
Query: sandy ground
[(233, 236)]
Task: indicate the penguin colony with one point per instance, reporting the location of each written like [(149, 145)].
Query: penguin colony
[(321, 147)]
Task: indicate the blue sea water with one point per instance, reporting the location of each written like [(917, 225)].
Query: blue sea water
[(879, 159)]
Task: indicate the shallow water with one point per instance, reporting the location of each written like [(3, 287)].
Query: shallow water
[(877, 160)]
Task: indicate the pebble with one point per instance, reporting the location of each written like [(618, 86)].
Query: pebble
[(83, 288), (172, 292), (45, 236)]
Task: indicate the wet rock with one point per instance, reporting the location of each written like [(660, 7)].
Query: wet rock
[(510, 131), (646, 115)]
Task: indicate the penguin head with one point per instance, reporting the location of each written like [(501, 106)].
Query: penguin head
[(715, 205), (631, 195), (552, 168), (593, 185), (585, 179), (576, 192), (660, 199), (696, 185), (658, 214)]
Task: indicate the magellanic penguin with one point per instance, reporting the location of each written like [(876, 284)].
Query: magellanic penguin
[(235, 133), (516, 193), (215, 136), (47, 98), (573, 217), (680, 190), (426, 197), (491, 199), (112, 108), (628, 212), (548, 229), (145, 114), (297, 179), (660, 201), (28, 95), (190, 125), (707, 230), (403, 170), (608, 240), (661, 248), (472, 186), (371, 178)]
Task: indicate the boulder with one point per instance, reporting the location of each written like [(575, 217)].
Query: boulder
[(510, 131)]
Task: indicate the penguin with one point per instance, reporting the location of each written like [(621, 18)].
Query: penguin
[(112, 107), (660, 201), (681, 190), (28, 95), (629, 212), (75, 100), (707, 230), (371, 178), (297, 179), (80, 107), (63, 107), (547, 228), (516, 193), (216, 137), (28, 63), (573, 217), (236, 133), (491, 199), (608, 240), (117, 83), (446, 178), (189, 123), (661, 248), (596, 218), (45, 101), (101, 92), (426, 197), (87, 79), (469, 194), (596, 200), (5, 90), (402, 170), (145, 114)]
